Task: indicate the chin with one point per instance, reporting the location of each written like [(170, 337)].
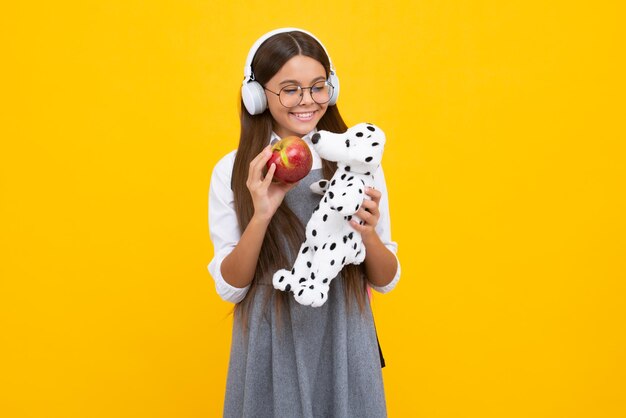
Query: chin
[(303, 131)]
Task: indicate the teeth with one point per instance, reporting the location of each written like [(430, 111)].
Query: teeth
[(303, 115)]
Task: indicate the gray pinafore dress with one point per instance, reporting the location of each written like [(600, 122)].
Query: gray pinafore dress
[(325, 362)]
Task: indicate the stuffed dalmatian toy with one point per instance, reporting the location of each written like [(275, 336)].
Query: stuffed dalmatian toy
[(331, 242)]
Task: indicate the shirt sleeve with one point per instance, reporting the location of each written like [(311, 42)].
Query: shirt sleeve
[(223, 227), (384, 228)]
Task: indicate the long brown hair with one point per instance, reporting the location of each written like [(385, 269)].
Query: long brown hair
[(285, 225)]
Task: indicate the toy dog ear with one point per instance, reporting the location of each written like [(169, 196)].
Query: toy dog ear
[(319, 187)]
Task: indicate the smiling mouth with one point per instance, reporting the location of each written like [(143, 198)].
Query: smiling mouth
[(303, 116)]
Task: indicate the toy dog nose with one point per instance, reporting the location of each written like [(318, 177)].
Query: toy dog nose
[(315, 138)]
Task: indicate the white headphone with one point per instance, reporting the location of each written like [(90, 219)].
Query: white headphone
[(252, 92)]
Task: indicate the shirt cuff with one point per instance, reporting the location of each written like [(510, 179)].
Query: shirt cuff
[(388, 287), (227, 292)]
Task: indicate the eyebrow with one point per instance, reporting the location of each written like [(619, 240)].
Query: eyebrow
[(296, 81)]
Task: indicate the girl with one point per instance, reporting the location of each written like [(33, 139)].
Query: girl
[(289, 360)]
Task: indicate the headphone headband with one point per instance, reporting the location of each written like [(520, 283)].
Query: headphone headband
[(247, 70)]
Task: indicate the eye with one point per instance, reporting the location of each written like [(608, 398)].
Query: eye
[(290, 90), (319, 87)]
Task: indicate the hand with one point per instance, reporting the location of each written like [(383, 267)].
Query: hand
[(266, 195), (370, 214)]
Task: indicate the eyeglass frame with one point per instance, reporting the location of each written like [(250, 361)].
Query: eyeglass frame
[(327, 82)]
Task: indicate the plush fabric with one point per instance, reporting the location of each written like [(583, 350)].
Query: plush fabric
[(331, 242)]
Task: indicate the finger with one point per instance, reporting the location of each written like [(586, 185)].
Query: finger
[(364, 215), (269, 175), (370, 206), (260, 155), (252, 173), (359, 228), (262, 163), (373, 193), (257, 164)]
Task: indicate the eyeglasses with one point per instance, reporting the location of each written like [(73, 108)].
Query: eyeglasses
[(292, 95)]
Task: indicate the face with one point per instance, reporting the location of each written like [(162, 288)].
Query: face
[(301, 119)]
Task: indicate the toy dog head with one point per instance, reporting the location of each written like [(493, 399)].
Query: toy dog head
[(360, 148)]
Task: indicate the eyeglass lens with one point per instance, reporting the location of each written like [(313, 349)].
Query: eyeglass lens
[(292, 95)]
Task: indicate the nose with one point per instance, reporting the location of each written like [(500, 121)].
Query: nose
[(304, 96), (315, 138)]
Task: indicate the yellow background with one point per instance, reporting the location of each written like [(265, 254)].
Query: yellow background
[(505, 166)]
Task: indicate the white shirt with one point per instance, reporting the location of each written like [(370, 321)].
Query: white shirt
[(224, 227)]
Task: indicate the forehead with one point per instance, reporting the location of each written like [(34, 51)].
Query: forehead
[(301, 69)]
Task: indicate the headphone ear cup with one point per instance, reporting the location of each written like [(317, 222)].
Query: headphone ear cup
[(254, 98), (334, 80)]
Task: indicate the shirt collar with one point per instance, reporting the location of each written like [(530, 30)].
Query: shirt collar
[(307, 138)]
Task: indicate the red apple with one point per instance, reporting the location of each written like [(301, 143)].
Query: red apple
[(293, 159)]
